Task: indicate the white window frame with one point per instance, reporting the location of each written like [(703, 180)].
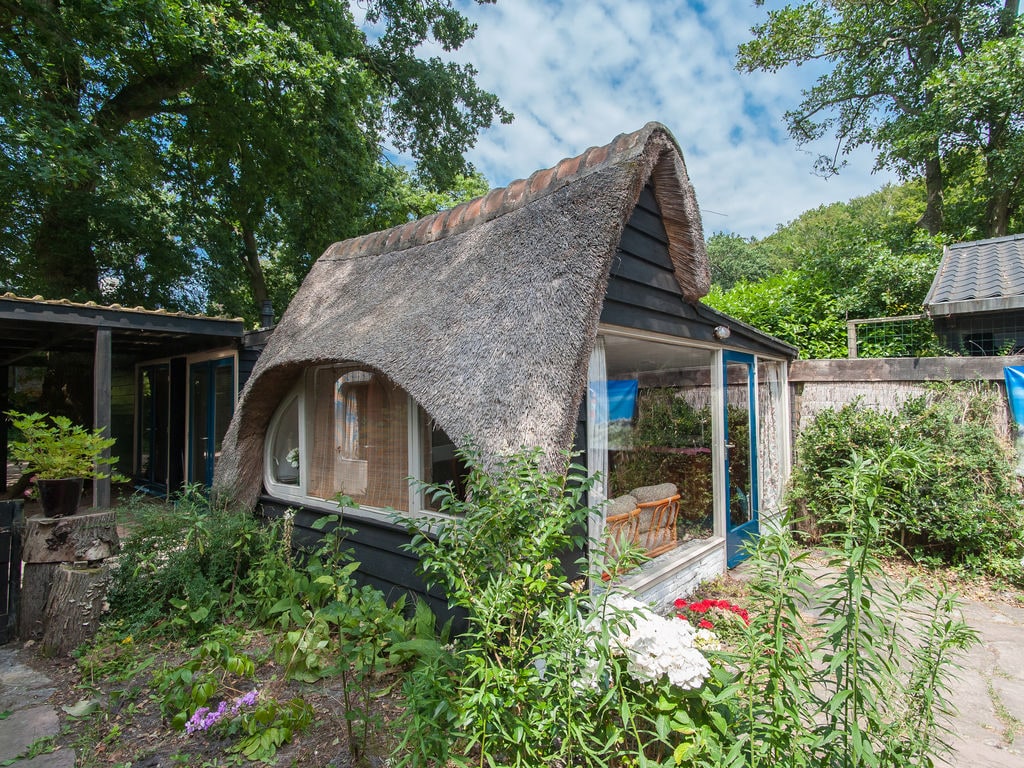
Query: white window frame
[(303, 393)]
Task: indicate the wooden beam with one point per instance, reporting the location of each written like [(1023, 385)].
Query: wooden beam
[(101, 410)]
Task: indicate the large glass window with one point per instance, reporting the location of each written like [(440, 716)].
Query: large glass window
[(347, 431), (659, 439)]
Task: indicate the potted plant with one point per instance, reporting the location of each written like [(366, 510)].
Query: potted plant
[(61, 455)]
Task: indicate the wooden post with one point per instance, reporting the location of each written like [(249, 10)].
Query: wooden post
[(74, 607), (851, 339), (101, 411)]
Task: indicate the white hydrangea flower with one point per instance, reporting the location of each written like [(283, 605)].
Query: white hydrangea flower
[(654, 647), (706, 640)]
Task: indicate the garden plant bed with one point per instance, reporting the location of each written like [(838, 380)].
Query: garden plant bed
[(121, 723)]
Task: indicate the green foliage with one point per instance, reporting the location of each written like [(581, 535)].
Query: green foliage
[(185, 563), (864, 685), (961, 504), (330, 626), (538, 677), (859, 259), (53, 447), (170, 153), (258, 723)]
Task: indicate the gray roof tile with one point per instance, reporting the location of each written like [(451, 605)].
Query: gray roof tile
[(981, 269)]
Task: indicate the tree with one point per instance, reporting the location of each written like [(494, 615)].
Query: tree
[(889, 64), (141, 139), (860, 259), (734, 259)]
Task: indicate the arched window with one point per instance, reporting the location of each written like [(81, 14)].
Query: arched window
[(349, 431)]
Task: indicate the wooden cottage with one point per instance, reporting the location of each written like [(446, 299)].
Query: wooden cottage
[(563, 310)]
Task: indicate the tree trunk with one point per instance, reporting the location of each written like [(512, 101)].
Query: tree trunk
[(84, 537), (997, 214), (253, 269), (932, 219), (65, 262), (74, 607)]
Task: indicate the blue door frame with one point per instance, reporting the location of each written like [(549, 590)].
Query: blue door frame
[(208, 415), (742, 503)]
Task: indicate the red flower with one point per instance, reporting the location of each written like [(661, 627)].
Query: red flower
[(705, 624), (680, 604)]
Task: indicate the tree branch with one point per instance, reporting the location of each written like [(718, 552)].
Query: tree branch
[(145, 98)]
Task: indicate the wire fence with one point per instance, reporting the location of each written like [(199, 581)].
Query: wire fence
[(906, 336)]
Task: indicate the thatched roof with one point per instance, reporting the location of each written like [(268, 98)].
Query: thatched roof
[(486, 314)]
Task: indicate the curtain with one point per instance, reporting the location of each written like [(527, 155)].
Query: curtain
[(597, 434)]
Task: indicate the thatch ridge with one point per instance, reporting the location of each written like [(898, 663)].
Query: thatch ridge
[(486, 314)]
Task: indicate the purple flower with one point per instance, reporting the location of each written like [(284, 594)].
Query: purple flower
[(246, 700)]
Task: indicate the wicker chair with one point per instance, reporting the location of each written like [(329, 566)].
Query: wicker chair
[(656, 525)]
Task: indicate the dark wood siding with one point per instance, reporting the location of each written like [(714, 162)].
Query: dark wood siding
[(643, 292)]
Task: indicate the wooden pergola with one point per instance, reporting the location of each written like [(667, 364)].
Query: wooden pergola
[(33, 330)]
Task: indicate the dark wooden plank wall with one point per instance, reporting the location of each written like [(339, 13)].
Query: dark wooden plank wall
[(643, 292)]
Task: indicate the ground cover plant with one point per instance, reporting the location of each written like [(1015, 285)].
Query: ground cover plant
[(960, 505), (224, 646)]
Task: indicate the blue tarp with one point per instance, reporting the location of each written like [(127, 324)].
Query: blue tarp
[(622, 399), (1015, 394)]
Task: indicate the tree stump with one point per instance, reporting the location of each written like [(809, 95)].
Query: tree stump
[(74, 606), (36, 579), (88, 537)]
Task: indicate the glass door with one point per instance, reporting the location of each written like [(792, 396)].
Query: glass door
[(211, 405), (153, 448), (742, 502)]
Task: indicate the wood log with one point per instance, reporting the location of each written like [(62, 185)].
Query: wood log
[(74, 607), (36, 579), (86, 537)]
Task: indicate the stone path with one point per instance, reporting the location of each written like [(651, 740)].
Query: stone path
[(988, 731), (24, 694)]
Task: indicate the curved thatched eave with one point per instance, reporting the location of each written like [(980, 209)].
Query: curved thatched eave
[(485, 314)]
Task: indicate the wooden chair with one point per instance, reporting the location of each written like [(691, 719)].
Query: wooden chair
[(620, 531), (656, 525)]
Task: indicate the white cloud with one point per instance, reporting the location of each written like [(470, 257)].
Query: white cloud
[(578, 73)]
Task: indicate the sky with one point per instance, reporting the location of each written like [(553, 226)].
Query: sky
[(576, 73)]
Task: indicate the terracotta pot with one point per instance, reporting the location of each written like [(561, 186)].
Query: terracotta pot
[(60, 498)]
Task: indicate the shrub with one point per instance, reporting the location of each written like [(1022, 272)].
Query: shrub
[(961, 505), (190, 554), (544, 673)]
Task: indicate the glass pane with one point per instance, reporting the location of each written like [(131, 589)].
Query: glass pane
[(161, 413), (772, 443), (441, 463), (738, 444), (659, 439), (146, 385), (360, 439), (224, 405), (285, 446), (200, 398)]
